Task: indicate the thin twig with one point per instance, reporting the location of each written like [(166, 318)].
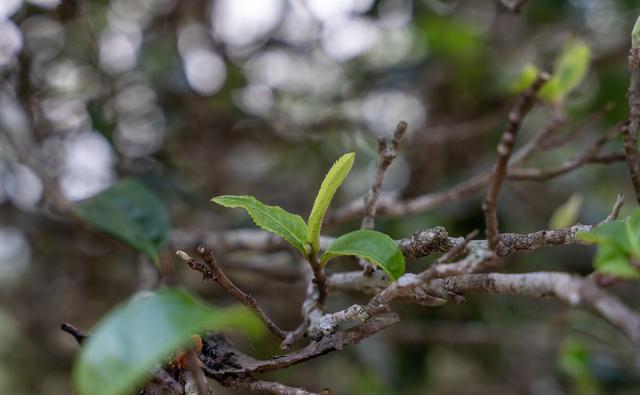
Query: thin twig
[(193, 366), (522, 107), (387, 151), (73, 331), (211, 270), (615, 210)]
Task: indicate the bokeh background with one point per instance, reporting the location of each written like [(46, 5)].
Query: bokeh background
[(200, 98)]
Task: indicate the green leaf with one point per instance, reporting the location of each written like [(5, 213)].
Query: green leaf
[(330, 185), (570, 69), (618, 246), (290, 227), (375, 247), (126, 345), (526, 78), (575, 360), (635, 34), (566, 214), (130, 213)]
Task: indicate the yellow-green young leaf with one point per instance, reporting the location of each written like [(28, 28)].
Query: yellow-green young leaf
[(130, 213), (126, 345), (373, 246), (330, 185), (525, 79), (566, 214), (569, 71), (635, 34), (618, 246), (275, 219)]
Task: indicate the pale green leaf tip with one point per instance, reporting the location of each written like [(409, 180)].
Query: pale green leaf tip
[(635, 34)]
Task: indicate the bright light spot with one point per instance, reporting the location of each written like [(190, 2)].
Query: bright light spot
[(205, 71), (348, 38), (118, 51), (383, 109), (88, 166), (135, 99), (395, 13), (294, 72), (244, 22), (8, 8), (327, 10), (15, 254), (140, 134), (45, 3), (23, 187), (255, 100), (65, 114), (10, 41), (394, 46), (298, 25), (43, 36), (191, 37)]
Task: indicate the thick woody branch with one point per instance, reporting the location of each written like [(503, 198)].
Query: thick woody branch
[(211, 271), (261, 386), (221, 359), (521, 109), (573, 290)]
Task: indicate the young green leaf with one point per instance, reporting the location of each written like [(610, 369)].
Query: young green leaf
[(566, 214), (126, 345), (373, 246), (525, 79), (569, 71), (130, 213), (275, 219), (635, 34), (618, 246), (330, 185)]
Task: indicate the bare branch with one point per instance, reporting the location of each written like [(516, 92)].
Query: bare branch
[(573, 290), (211, 271), (387, 151), (73, 331), (615, 210), (522, 107), (261, 386), (630, 129), (196, 377)]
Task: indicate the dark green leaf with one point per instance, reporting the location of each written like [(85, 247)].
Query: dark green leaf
[(130, 213), (275, 219), (132, 339), (373, 246)]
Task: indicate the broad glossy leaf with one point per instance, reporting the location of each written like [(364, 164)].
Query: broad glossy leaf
[(330, 185), (618, 246), (373, 246), (130, 213), (290, 227), (569, 71), (566, 214), (132, 339)]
